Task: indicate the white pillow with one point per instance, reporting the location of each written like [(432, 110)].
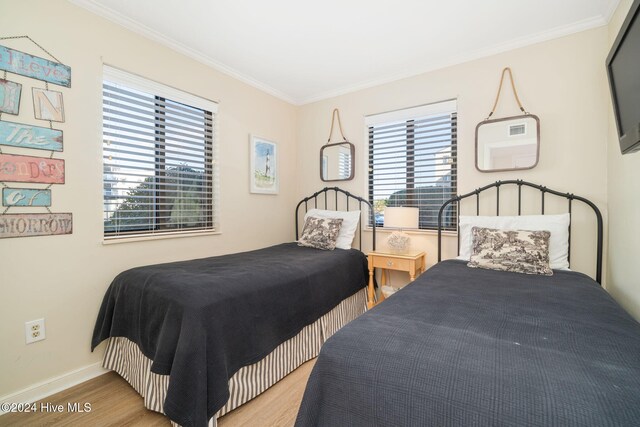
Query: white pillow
[(557, 225), (349, 224)]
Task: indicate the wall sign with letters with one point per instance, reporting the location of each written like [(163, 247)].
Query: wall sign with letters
[(47, 105), (21, 63), (19, 168), (31, 169), (28, 136), (26, 197), (31, 225), (10, 96)]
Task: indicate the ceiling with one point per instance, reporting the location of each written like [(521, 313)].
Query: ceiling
[(304, 51)]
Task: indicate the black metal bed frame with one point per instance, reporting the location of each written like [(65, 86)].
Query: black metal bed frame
[(543, 190), (324, 192)]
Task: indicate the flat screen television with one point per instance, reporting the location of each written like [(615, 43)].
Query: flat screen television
[(623, 69)]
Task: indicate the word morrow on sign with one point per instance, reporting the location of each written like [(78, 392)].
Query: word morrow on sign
[(28, 225)]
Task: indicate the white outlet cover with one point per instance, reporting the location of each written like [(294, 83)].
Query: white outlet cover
[(34, 331)]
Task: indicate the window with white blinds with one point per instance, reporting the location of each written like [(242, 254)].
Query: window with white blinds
[(413, 161), (158, 158)]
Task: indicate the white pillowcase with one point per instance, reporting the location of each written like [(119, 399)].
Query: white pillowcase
[(557, 225), (350, 221)]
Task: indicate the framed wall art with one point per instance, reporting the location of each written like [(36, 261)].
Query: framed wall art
[(263, 166)]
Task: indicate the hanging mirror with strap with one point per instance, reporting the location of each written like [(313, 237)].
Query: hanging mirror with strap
[(508, 143), (337, 158)]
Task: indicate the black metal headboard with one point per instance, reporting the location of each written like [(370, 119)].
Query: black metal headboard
[(543, 190), (323, 195)]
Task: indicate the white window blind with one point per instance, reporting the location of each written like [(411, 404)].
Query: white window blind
[(413, 161), (158, 158), (344, 160)]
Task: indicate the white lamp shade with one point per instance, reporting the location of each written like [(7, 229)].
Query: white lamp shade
[(401, 217)]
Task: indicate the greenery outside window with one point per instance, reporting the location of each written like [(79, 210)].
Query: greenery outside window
[(412, 162), (158, 158)]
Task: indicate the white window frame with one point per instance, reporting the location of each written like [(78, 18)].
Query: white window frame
[(139, 83), (440, 107)]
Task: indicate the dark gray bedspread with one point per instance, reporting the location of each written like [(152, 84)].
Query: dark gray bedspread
[(202, 320), (472, 347)]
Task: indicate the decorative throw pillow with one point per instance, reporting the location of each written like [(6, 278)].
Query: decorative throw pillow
[(350, 220), (557, 225), (520, 251), (320, 233)]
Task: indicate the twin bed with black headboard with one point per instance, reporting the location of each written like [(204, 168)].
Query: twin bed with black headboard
[(198, 338), (464, 346)]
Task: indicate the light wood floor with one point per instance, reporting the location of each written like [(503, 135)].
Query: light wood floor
[(115, 403)]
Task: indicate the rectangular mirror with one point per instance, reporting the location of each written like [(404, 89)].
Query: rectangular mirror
[(336, 161), (506, 144)]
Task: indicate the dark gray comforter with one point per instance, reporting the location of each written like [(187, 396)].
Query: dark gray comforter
[(472, 347), (202, 320)]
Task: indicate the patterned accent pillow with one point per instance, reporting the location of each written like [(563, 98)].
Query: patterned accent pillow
[(520, 251), (320, 233)]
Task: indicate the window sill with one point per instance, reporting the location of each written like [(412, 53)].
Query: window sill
[(413, 232), (150, 236)]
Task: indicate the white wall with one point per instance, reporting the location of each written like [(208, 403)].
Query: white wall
[(63, 278), (624, 206), (563, 81)]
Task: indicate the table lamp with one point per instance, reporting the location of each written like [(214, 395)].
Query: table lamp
[(400, 218)]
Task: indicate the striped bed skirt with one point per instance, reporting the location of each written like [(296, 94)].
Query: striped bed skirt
[(124, 357)]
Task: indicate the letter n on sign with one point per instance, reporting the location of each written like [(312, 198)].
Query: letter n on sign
[(48, 105)]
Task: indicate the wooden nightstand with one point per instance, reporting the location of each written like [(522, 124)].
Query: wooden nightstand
[(412, 262)]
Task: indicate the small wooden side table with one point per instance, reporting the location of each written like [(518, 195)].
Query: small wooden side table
[(412, 262)]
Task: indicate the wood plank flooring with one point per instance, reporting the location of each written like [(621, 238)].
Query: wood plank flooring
[(115, 403)]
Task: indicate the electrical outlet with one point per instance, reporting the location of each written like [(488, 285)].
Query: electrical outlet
[(34, 330)]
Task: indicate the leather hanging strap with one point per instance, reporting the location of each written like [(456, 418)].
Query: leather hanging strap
[(335, 114), (515, 93)]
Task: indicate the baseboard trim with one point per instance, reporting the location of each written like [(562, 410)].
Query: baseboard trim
[(54, 385)]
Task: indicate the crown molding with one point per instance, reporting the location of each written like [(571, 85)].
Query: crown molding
[(517, 43), (147, 32), (608, 14), (151, 34)]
